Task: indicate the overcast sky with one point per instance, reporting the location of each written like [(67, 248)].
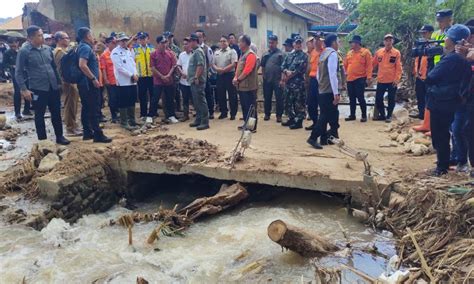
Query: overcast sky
[(14, 7)]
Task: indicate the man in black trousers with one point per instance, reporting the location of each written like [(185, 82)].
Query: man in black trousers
[(43, 85)]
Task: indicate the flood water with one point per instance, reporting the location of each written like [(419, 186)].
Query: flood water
[(214, 250)]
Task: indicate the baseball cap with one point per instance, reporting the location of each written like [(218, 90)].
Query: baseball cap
[(388, 36), (122, 36), (273, 37), (426, 28), (193, 37), (298, 39), (142, 35), (47, 36), (356, 39), (458, 32), (444, 13), (161, 39), (113, 34), (168, 34), (109, 39), (288, 41)]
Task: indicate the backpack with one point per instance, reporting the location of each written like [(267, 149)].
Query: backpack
[(70, 71)]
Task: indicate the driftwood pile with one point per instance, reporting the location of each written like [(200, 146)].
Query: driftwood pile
[(174, 222), (438, 227)]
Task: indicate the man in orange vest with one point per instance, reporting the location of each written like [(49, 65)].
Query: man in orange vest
[(358, 65), (388, 62), (312, 100)]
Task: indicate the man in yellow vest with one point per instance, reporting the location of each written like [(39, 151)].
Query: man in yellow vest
[(445, 20), (143, 51)]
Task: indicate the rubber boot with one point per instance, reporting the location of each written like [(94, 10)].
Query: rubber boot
[(425, 126), (123, 119), (131, 118)]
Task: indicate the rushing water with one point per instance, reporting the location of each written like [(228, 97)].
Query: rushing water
[(215, 250)]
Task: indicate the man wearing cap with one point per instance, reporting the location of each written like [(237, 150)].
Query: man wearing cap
[(107, 69), (197, 78), (330, 73), (48, 40), (293, 72), (447, 85), (126, 75), (89, 88), (420, 70), (388, 62), (358, 66), (225, 61), (209, 59), (271, 72), (163, 64), (445, 20), (69, 91), (143, 51), (171, 45), (313, 92), (233, 44)]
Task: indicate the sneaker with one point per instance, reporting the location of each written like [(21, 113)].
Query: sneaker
[(173, 120), (203, 127), (149, 120), (18, 117), (462, 168), (266, 118), (144, 118), (388, 120), (437, 172), (350, 118), (102, 139)]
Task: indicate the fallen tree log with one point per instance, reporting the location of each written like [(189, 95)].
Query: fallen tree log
[(298, 240), (227, 197)]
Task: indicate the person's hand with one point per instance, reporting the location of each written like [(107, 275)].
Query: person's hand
[(26, 94), (462, 49), (337, 99), (235, 82), (96, 83), (135, 78), (184, 76)]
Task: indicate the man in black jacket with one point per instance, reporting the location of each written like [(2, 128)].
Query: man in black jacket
[(447, 83)]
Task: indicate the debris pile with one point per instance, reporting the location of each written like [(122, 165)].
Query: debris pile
[(168, 148), (442, 226)]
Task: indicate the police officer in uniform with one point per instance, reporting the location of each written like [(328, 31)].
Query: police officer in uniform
[(293, 71)]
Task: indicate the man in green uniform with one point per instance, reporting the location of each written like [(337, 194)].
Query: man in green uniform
[(293, 71)]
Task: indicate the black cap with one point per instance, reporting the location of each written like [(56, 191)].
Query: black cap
[(317, 34), (298, 39), (288, 41), (356, 39), (273, 38), (113, 34), (142, 35), (444, 13), (426, 28), (194, 37), (168, 34), (161, 39), (109, 39)]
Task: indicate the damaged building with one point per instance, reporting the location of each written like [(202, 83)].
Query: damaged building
[(259, 19)]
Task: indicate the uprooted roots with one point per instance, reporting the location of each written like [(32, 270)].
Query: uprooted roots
[(443, 227)]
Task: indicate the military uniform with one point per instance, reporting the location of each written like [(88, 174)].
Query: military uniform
[(295, 98)]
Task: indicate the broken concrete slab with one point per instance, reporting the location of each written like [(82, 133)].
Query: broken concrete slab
[(48, 162)]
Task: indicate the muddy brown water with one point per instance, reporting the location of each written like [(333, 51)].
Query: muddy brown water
[(214, 250)]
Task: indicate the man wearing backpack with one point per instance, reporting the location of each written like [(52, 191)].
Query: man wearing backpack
[(43, 82), (89, 87), (71, 96)]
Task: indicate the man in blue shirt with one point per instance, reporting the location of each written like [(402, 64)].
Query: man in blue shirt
[(89, 88), (446, 84)]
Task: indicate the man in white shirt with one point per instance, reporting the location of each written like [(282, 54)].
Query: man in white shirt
[(329, 75), (225, 62), (126, 74), (184, 86)]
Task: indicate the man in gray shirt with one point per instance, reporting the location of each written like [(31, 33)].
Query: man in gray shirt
[(271, 70), (37, 61)]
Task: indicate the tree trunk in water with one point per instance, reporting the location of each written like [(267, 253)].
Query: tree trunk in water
[(305, 243)]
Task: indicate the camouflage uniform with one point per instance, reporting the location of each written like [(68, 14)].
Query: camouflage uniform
[(175, 49), (295, 94)]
